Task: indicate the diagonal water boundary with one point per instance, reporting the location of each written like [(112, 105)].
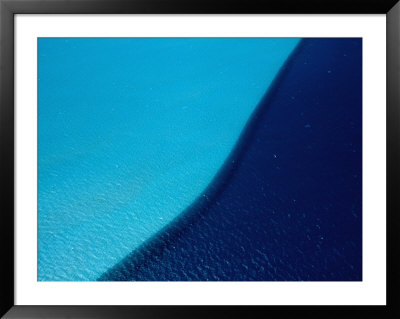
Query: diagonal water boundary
[(150, 249)]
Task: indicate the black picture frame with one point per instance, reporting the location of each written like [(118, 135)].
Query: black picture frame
[(8, 8)]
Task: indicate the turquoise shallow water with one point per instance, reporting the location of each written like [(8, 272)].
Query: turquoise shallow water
[(131, 131)]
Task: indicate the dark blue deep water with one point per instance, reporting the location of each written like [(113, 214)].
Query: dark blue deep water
[(287, 205)]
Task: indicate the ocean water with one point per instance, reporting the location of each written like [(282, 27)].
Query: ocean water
[(288, 203), (130, 133)]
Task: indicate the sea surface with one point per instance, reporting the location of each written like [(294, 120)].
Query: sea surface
[(133, 132)]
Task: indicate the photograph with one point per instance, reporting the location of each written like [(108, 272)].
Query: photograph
[(199, 159)]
